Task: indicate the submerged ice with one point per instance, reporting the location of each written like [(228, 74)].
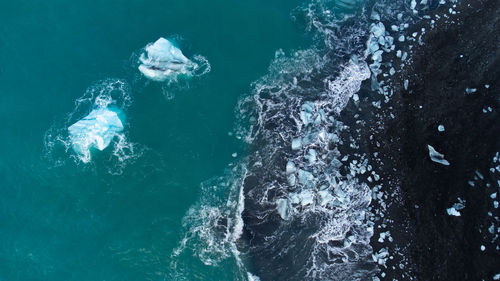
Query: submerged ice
[(95, 130), (163, 60)]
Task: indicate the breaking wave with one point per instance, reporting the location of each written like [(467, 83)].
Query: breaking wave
[(305, 186), (213, 226)]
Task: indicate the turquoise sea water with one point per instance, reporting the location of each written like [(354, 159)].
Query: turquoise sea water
[(61, 219)]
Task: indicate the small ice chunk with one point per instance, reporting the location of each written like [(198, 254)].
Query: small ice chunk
[(406, 84), (377, 56), (94, 130), (290, 168), (453, 212), (296, 144), (483, 248), (377, 29), (413, 4), (292, 179), (441, 128), (305, 198), (401, 38), (404, 56), (283, 207), (437, 157), (496, 277), (470, 90), (305, 177), (311, 156), (325, 197), (375, 16)]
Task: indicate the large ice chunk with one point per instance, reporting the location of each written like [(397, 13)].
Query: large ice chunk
[(94, 130), (437, 157), (163, 60)]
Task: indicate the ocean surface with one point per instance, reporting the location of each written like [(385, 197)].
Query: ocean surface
[(248, 170), (62, 219)]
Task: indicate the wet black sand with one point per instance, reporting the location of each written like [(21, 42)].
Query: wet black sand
[(461, 52)]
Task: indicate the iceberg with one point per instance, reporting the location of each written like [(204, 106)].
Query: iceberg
[(94, 130), (163, 60), (437, 157)]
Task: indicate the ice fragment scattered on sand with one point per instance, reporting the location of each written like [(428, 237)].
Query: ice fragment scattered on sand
[(437, 157), (441, 128), (453, 212), (470, 90)]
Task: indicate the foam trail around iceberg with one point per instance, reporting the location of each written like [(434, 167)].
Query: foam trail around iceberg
[(96, 122), (95, 130)]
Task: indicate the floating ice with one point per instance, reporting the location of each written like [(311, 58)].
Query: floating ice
[(378, 29), (441, 128), (95, 130), (283, 207), (296, 144), (325, 197), (311, 156), (290, 168), (437, 157), (304, 198), (305, 178), (164, 60)]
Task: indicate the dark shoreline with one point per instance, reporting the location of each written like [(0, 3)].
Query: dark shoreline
[(428, 244), (438, 246)]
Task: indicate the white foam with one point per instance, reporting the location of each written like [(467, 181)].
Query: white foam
[(214, 224)]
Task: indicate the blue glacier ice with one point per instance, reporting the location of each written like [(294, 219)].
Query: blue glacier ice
[(163, 60), (95, 130), (437, 157)]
